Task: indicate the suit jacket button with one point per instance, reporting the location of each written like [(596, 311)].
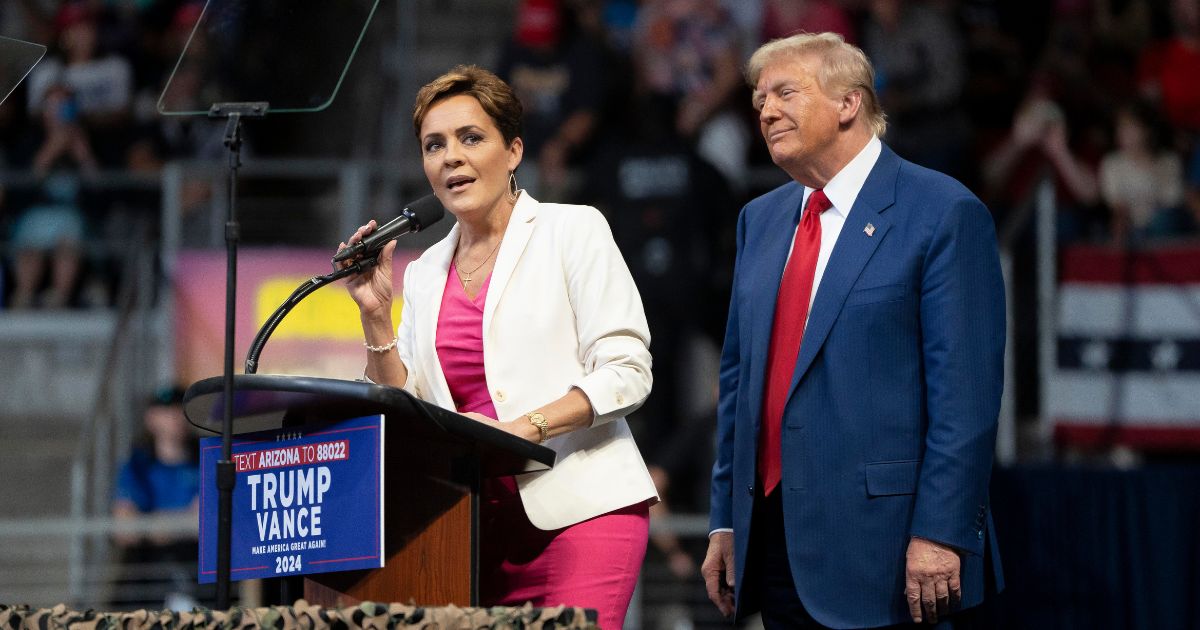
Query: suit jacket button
[(750, 490), (979, 534), (499, 395), (620, 399)]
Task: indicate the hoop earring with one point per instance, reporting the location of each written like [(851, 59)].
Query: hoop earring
[(512, 186)]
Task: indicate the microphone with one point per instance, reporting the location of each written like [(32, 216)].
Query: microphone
[(415, 217)]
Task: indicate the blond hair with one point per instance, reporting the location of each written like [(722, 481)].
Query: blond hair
[(844, 68), (493, 94)]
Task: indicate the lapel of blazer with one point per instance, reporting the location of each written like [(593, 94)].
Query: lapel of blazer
[(850, 254), (773, 247), (516, 237), (433, 278)]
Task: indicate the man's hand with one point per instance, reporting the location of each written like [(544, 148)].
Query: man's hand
[(932, 584), (718, 571)]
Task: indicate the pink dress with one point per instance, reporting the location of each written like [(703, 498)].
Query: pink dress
[(593, 564)]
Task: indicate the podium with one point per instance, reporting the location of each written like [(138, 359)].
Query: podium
[(435, 461)]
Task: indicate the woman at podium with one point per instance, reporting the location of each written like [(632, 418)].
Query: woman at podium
[(525, 314)]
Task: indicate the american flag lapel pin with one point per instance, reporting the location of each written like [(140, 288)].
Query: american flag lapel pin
[(870, 230)]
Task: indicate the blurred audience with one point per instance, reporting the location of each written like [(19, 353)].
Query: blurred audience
[(1192, 195), (162, 475), (919, 73), (688, 54), (1141, 181), (642, 104), (781, 18), (557, 70), (99, 84), (1167, 70), (64, 137), (1037, 149), (161, 478), (48, 235), (667, 208), (1036, 152)]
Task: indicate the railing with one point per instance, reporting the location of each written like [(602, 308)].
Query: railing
[(1046, 212), (90, 579), (70, 554), (137, 355), (104, 439), (122, 373)]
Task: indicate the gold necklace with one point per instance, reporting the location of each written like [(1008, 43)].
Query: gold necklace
[(458, 265)]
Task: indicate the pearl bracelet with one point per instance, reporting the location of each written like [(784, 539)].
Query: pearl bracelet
[(389, 346)]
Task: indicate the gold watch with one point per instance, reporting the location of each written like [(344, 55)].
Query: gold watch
[(539, 421)]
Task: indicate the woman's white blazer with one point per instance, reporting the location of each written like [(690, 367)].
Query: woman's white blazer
[(562, 311)]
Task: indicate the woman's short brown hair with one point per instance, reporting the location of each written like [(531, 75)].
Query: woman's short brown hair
[(493, 94)]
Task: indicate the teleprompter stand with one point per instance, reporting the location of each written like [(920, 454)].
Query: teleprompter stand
[(233, 114), (311, 44)]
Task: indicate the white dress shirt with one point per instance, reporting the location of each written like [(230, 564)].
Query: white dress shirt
[(842, 192)]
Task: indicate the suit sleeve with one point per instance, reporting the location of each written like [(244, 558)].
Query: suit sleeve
[(614, 339), (721, 512), (963, 329)]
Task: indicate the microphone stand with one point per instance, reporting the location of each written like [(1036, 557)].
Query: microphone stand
[(272, 322), (226, 477), (301, 292)]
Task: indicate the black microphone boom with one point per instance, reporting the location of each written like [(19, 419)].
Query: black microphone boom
[(415, 217)]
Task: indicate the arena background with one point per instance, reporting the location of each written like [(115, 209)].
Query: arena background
[(1076, 121)]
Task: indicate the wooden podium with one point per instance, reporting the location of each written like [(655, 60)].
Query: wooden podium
[(435, 461)]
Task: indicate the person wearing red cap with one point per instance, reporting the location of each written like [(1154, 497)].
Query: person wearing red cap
[(102, 85), (558, 73)]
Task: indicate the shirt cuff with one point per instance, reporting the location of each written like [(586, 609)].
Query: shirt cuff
[(720, 530)]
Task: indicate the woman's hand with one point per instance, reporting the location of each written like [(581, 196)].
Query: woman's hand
[(519, 427), (371, 289)]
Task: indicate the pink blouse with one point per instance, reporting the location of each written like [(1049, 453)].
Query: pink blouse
[(518, 562), (459, 345)]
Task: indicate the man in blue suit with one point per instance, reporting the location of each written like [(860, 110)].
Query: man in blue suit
[(861, 372)]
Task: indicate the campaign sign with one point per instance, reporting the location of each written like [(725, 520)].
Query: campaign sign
[(306, 500)]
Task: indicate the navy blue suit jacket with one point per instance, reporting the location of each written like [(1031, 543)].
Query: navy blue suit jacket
[(890, 424)]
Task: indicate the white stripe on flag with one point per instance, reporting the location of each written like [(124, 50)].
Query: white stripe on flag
[(1142, 398), (1091, 310)]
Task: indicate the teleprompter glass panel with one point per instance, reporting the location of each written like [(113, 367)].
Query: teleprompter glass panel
[(293, 54), (17, 58)]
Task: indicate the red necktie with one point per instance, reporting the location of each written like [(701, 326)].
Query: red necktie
[(791, 312)]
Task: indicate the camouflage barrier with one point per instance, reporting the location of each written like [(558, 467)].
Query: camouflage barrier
[(303, 615)]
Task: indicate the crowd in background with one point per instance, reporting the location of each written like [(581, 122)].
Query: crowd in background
[(88, 107), (639, 107), (645, 104)]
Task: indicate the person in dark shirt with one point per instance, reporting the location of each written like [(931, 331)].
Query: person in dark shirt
[(669, 212), (160, 478), (557, 70)]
